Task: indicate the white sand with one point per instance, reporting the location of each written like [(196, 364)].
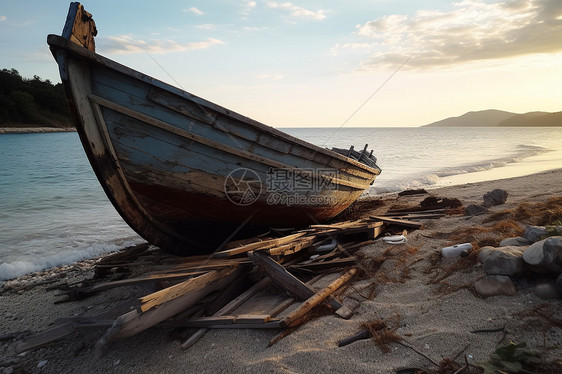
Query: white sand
[(432, 321)]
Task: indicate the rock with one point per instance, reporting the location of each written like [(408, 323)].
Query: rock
[(517, 241), (545, 255), (534, 233), (484, 253), (559, 284), (475, 210), (495, 197), (495, 285), (42, 364), (505, 261), (546, 291)]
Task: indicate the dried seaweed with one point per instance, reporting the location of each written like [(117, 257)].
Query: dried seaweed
[(384, 331)]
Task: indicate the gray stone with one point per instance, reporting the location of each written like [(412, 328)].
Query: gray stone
[(505, 261), (475, 210), (559, 284), (545, 255), (534, 233), (553, 253), (484, 253), (517, 241), (546, 291), (495, 285), (495, 197)]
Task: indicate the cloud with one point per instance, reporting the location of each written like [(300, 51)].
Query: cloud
[(3, 18), (193, 10), (473, 30), (246, 8), (270, 77), (297, 11), (125, 44), (207, 26), (335, 50)]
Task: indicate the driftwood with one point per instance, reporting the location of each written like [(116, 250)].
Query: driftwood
[(164, 304), (193, 301), (317, 298), (293, 285)]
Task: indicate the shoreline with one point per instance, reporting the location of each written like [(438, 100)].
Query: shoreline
[(438, 318), (34, 130), (470, 194)]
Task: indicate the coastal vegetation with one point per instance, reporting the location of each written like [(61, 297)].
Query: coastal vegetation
[(31, 102)]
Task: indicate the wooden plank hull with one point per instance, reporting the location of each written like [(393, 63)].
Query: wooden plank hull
[(187, 174)]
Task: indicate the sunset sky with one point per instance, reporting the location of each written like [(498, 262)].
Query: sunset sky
[(320, 63)]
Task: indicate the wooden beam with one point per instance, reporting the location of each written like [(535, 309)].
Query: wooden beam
[(286, 280), (399, 222), (317, 298)]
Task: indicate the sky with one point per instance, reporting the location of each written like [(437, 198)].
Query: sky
[(331, 63)]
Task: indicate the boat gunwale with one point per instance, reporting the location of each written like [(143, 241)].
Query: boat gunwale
[(56, 41)]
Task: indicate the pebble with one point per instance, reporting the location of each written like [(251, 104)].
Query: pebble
[(42, 364), (475, 210), (534, 233), (504, 261), (495, 197), (494, 285), (546, 291), (517, 241)]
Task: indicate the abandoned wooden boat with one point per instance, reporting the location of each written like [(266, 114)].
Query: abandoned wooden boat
[(187, 174)]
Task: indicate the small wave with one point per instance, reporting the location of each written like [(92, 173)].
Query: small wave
[(523, 152), (396, 186), (432, 178), (11, 270)]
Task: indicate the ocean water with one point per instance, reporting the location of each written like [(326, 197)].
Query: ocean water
[(53, 210)]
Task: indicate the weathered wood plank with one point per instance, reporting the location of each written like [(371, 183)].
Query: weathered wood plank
[(286, 280), (228, 308), (317, 298), (400, 222), (258, 245), (291, 248), (164, 304)]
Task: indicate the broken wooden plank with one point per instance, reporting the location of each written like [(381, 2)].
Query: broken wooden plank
[(323, 265), (399, 222), (229, 308), (257, 245), (209, 322), (286, 280), (161, 305), (317, 298), (287, 249)]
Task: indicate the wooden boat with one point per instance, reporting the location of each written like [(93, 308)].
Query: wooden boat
[(187, 174)]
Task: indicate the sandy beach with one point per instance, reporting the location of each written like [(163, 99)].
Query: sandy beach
[(429, 302)]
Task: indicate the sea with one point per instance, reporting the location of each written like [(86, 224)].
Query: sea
[(54, 212)]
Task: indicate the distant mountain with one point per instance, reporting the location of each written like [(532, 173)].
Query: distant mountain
[(499, 118)]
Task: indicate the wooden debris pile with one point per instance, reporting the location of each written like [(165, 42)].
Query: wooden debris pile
[(227, 289)]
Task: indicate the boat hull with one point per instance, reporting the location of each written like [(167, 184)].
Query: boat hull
[(187, 174)]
